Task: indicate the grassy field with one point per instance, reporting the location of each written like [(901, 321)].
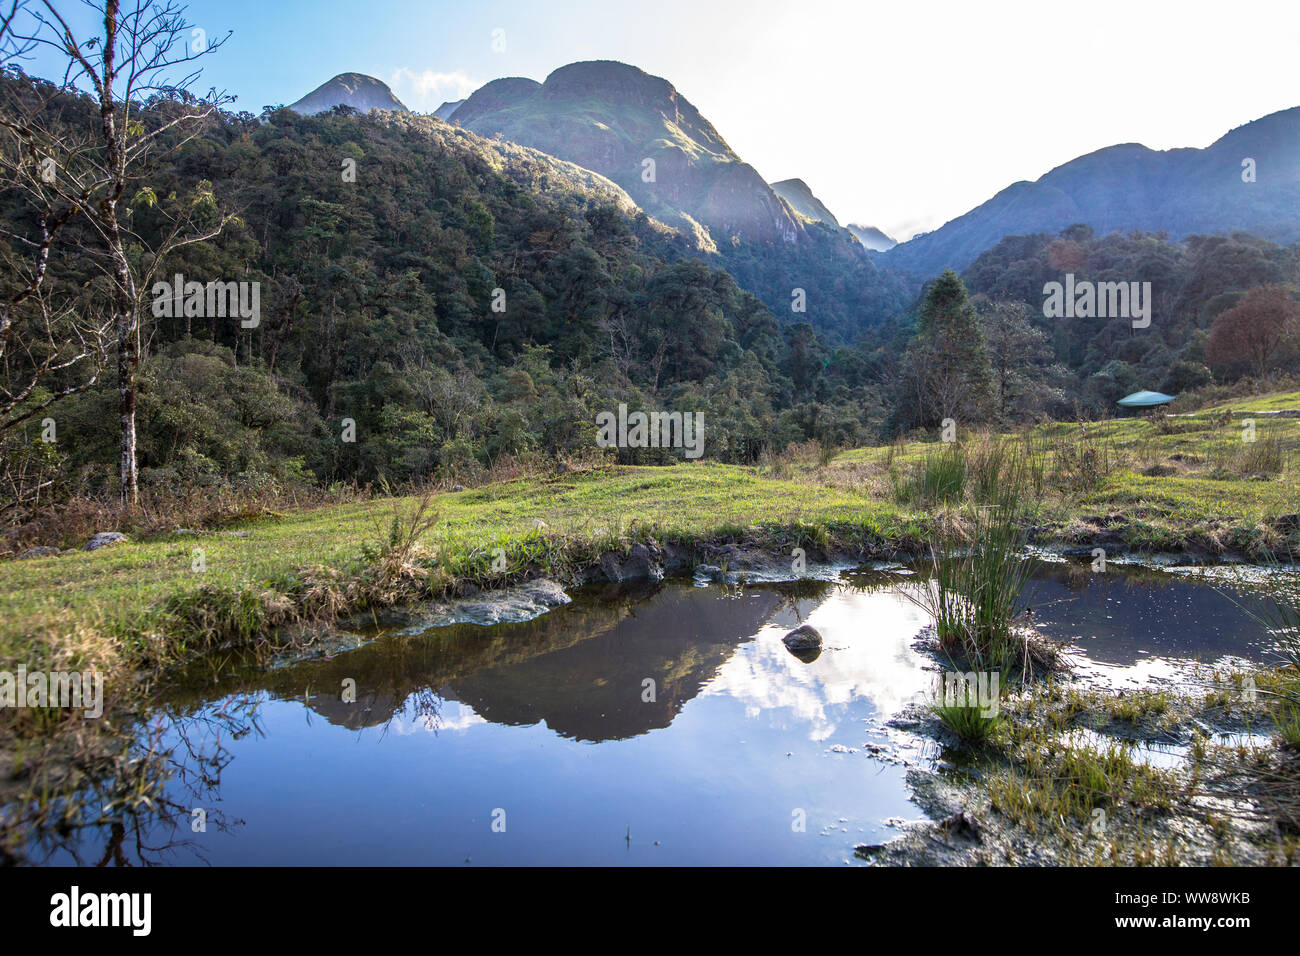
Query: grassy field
[(1162, 484), (1276, 402)]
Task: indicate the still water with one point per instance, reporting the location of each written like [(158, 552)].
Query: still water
[(657, 724)]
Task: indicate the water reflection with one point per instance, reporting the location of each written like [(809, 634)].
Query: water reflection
[(668, 712), (1123, 616), (867, 657)]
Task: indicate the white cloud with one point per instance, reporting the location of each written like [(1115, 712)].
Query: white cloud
[(426, 90)]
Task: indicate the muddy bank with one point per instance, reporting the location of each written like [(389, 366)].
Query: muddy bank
[(721, 561), (1082, 773)]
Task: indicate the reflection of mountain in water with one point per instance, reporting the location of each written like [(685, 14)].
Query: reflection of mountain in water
[(593, 690), (580, 668)]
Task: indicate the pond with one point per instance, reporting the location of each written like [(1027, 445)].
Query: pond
[(652, 724)]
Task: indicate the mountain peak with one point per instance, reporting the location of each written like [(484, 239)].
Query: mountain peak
[(802, 200), (357, 90), (635, 128)]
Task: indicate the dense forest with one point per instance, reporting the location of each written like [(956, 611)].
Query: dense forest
[(1195, 284), (432, 302)]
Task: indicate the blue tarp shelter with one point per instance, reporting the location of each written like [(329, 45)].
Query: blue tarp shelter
[(1145, 400)]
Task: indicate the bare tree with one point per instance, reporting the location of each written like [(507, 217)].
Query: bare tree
[(50, 348), (143, 114)]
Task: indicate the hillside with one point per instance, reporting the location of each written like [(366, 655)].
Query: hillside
[(459, 301), (872, 238), (1130, 187), (613, 118), (641, 133)]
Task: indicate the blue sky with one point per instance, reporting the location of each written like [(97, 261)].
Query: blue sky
[(900, 115)]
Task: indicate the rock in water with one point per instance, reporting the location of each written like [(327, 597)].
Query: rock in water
[(805, 637)]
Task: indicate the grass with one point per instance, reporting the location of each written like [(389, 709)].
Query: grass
[(972, 726), (980, 574), (143, 603), (1057, 782), (1274, 402), (133, 589)]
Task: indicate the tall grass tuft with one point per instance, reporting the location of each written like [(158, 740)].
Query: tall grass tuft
[(1264, 457), (968, 724), (1087, 461), (939, 478), (980, 575)]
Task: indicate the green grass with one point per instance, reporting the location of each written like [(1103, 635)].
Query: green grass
[(138, 593), (969, 725), (582, 513), (1275, 402)]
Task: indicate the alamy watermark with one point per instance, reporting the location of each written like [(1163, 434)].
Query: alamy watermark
[(976, 689), (215, 300), (74, 690), (651, 430), (128, 910), (1100, 300)]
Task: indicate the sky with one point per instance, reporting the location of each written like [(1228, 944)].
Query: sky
[(900, 114)]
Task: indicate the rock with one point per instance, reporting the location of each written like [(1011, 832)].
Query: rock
[(510, 605), (805, 637), (642, 563), (103, 540), (40, 552), (1160, 471), (961, 824), (807, 655)]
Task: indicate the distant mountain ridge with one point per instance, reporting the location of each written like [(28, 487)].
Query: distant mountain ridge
[(362, 93), (1130, 187), (801, 199), (872, 238), (447, 109)]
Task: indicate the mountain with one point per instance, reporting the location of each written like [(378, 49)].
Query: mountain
[(644, 135), (641, 133), (801, 198), (1129, 187), (362, 93), (872, 238), (445, 111)]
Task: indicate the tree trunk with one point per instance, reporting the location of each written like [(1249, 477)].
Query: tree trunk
[(128, 361), (125, 309)]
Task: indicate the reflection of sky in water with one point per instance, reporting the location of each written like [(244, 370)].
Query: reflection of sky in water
[(452, 716), (867, 657)]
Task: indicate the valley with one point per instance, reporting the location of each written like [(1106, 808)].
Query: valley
[(482, 462)]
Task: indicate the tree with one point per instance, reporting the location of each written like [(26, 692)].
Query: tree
[(140, 110), (945, 371), (1263, 327), (51, 345), (1018, 356)]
